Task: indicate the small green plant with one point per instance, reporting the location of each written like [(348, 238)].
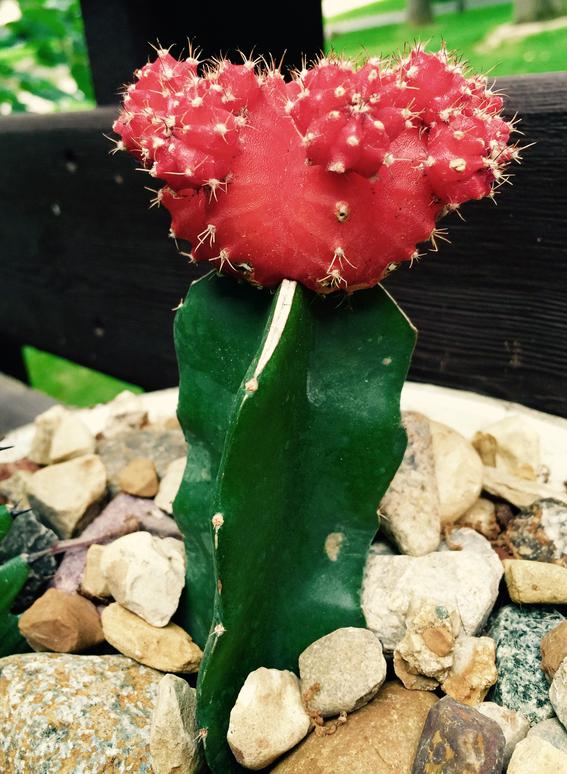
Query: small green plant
[(13, 575)]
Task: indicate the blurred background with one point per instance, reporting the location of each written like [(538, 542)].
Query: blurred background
[(44, 67)]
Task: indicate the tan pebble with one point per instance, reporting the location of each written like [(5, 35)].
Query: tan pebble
[(409, 678), (167, 648), (61, 622), (68, 495), (268, 718), (380, 738), (535, 582), (15, 489), (429, 623), (458, 470), (410, 507), (169, 485), (94, 583), (440, 641), (146, 574), (139, 478), (482, 518), (473, 671), (554, 649), (175, 744)]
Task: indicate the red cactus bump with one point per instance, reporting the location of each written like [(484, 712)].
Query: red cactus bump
[(329, 179)]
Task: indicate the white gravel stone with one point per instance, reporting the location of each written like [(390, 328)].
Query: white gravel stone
[(428, 644), (169, 485), (146, 575), (521, 492), (467, 539), (410, 508), (482, 518), (45, 425), (458, 470), (349, 667), (383, 548), (466, 580), (513, 724), (72, 438), (536, 756), (67, 495), (174, 743), (552, 731), (510, 444), (268, 718), (125, 412), (473, 671), (15, 489)]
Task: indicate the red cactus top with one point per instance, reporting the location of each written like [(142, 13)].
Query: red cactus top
[(330, 179)]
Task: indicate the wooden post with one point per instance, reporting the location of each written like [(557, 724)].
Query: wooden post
[(11, 359), (119, 33)]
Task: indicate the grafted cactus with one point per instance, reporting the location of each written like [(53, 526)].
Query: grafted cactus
[(290, 402), (329, 179)]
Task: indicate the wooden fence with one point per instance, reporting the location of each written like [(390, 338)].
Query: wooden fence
[(88, 273)]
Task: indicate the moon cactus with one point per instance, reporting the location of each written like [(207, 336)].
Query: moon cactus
[(290, 400)]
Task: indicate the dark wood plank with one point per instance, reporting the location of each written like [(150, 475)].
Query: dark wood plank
[(89, 274), (491, 307), (11, 358), (118, 32)]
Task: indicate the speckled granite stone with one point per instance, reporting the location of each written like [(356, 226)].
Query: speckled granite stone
[(539, 532), (28, 535), (63, 714), (522, 685)]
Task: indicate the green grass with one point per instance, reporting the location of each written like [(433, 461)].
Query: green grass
[(71, 383), (464, 33), (381, 6)]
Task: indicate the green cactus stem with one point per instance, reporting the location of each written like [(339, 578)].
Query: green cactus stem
[(5, 521), (291, 408)]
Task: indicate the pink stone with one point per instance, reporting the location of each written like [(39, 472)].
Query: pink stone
[(112, 519)]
